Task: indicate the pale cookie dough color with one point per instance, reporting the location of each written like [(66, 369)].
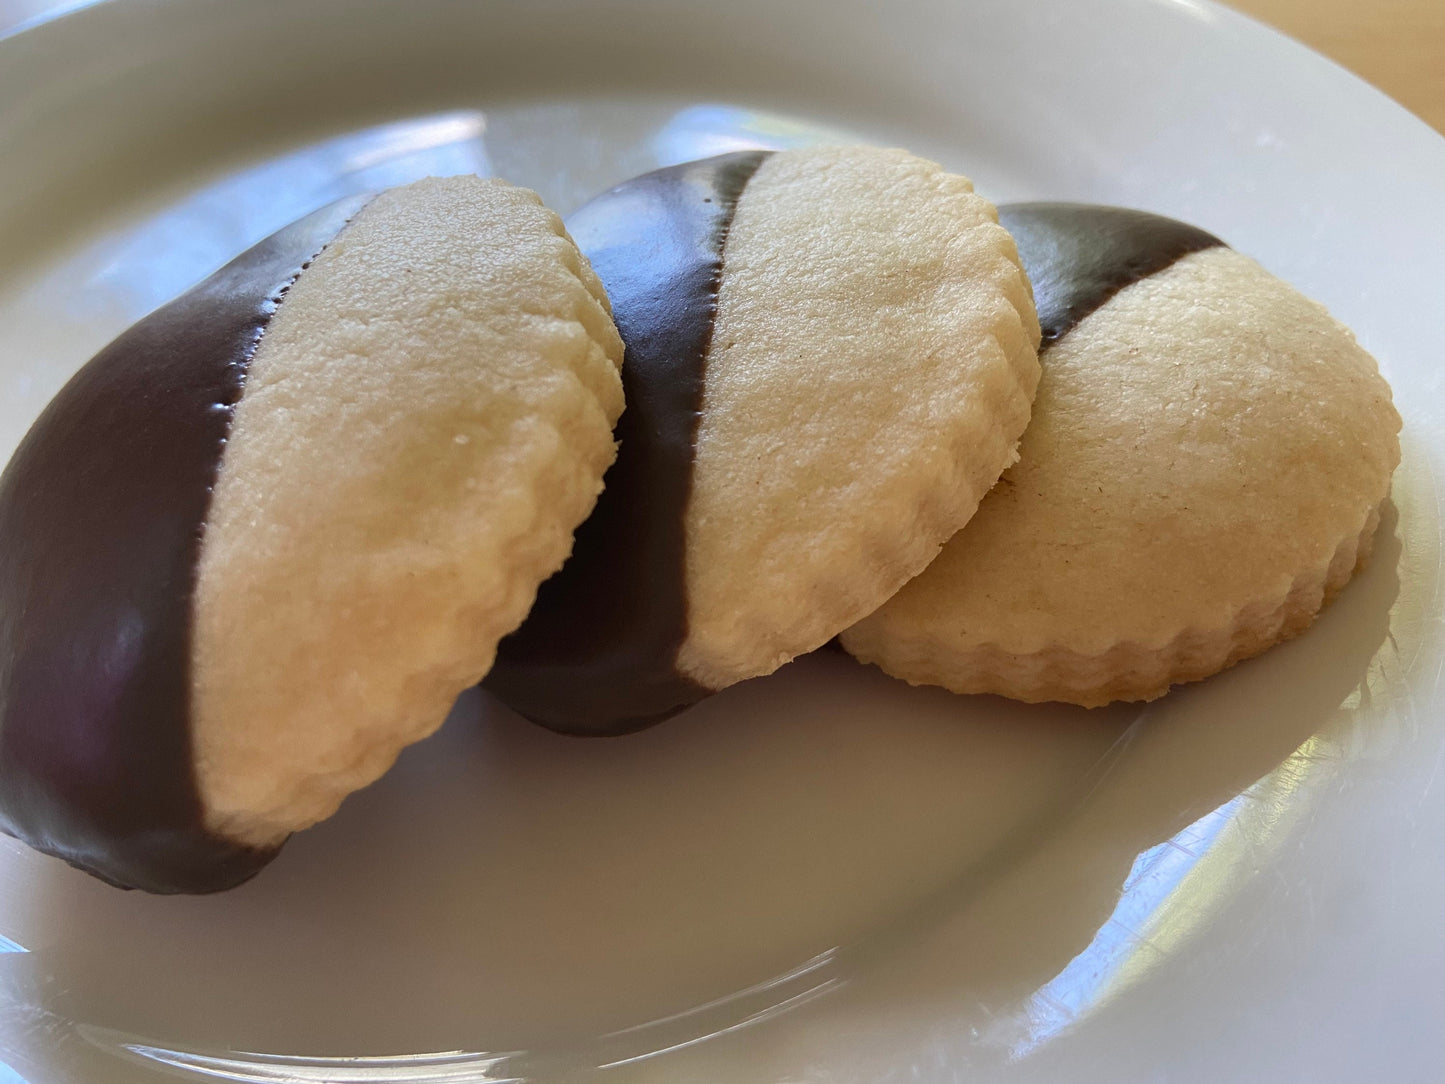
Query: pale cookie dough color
[(260, 542), (830, 358), (1204, 469)]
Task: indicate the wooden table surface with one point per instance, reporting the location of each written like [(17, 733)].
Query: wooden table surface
[(1398, 45)]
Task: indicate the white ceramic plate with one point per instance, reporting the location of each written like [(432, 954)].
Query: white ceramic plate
[(824, 875)]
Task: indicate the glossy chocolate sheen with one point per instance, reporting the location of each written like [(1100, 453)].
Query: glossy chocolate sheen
[(598, 653), (102, 510), (1079, 255)]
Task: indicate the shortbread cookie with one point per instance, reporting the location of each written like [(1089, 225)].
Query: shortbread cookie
[(830, 358), (261, 541), (1204, 468)]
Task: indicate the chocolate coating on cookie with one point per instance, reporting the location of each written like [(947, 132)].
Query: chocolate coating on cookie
[(102, 511), (1079, 255), (598, 653)]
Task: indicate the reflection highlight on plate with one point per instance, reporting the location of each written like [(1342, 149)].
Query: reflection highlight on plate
[(765, 1001), (450, 1067), (28, 16), (736, 1012), (1170, 892), (179, 247), (701, 131), (1195, 9)]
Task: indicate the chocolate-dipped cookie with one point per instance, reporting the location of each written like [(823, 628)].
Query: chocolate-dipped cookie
[(261, 541), (1204, 468), (830, 355)]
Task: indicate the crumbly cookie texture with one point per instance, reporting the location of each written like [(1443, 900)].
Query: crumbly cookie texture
[(425, 422), (871, 369), (1204, 468)]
